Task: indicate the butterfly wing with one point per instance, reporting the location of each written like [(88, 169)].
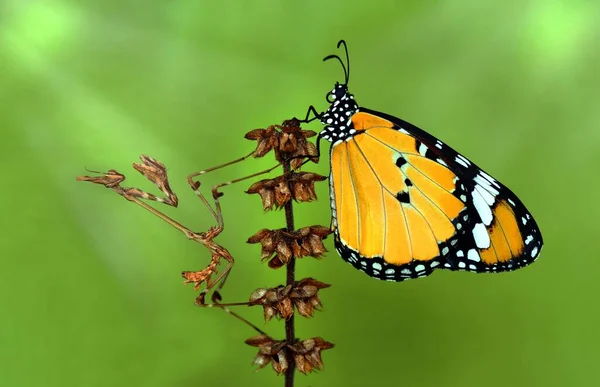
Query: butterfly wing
[(404, 204)]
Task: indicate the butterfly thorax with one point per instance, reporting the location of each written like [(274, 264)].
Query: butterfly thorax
[(338, 117)]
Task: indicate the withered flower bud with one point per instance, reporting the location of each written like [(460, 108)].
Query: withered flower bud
[(307, 241), (283, 250), (275, 263), (265, 237), (273, 192), (275, 302), (294, 143), (305, 296), (280, 190), (269, 351), (280, 301), (268, 139), (303, 185), (287, 140), (307, 354)]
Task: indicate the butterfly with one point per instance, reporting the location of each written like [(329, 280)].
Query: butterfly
[(404, 203)]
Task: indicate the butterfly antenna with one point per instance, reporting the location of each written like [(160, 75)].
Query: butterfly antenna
[(333, 56), (343, 42)]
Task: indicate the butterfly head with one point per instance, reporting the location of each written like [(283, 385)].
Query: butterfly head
[(337, 118)]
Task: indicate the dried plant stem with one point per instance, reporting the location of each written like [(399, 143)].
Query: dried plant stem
[(280, 247), (290, 334)]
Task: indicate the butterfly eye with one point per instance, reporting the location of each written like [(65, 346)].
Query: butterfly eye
[(330, 97)]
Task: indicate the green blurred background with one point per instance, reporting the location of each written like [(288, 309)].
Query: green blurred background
[(90, 283)]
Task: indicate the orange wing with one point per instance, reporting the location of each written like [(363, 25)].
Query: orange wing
[(404, 203)]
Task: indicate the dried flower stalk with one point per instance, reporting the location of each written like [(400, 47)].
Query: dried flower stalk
[(280, 247), (283, 246)]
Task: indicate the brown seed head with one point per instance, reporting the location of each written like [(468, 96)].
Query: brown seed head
[(269, 351), (307, 354), (307, 241), (267, 139), (287, 140), (303, 185), (280, 190), (280, 301)]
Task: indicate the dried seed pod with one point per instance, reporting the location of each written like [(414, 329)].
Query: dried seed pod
[(307, 354), (294, 143), (307, 241), (288, 141), (280, 190), (283, 194), (305, 296), (303, 185), (265, 188), (275, 302), (268, 139), (280, 301), (269, 351)]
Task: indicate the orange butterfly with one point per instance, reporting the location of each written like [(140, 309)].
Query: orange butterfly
[(404, 203)]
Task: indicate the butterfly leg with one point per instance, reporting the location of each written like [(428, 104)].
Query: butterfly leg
[(313, 111), (309, 157)]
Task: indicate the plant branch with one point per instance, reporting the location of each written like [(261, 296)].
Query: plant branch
[(290, 335)]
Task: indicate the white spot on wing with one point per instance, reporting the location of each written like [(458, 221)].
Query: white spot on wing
[(488, 197), (461, 162), (377, 266), (463, 159), (528, 239), (534, 252), (489, 178), (473, 255), (420, 268), (481, 236), (422, 149), (484, 211)]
